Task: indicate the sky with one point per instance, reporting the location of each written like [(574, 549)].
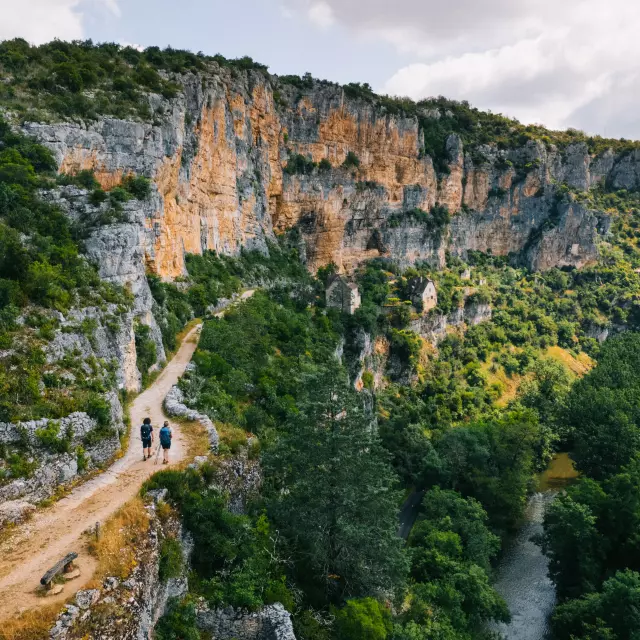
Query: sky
[(561, 63)]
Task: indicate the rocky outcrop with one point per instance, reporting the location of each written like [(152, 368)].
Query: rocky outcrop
[(269, 623), (128, 609), (216, 154), (433, 326), (50, 469), (174, 406), (240, 478), (115, 243)]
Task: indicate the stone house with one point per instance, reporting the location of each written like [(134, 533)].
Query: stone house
[(422, 293), (342, 294)]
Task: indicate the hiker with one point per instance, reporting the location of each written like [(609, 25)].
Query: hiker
[(165, 442), (146, 435)]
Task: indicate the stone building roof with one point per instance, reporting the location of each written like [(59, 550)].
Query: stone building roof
[(418, 285)]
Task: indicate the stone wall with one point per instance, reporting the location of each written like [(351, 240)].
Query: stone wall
[(174, 406), (433, 326)]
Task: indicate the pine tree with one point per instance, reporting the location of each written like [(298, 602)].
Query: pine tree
[(332, 492)]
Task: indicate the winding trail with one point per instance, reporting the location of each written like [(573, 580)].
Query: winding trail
[(54, 532)]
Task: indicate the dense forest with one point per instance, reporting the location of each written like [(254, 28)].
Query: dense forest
[(473, 426)]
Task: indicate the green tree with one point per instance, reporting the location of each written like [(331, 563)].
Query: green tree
[(610, 614), (332, 489), (546, 393), (603, 409), (449, 511), (363, 619), (574, 546)]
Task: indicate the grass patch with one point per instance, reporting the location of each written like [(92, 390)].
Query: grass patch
[(31, 625), (115, 550), (579, 364)]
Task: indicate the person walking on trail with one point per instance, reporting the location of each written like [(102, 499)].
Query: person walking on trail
[(146, 435), (165, 442)]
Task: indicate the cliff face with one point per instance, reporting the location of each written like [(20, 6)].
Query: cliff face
[(216, 154)]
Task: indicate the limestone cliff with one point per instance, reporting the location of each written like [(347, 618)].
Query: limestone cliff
[(217, 154)]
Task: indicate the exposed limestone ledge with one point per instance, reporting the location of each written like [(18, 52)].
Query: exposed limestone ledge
[(128, 609), (272, 622), (174, 406), (53, 470)]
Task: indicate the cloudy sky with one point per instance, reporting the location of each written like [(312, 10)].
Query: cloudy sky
[(562, 63)]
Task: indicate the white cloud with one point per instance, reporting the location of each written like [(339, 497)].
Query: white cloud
[(321, 14), (568, 63), (39, 21)]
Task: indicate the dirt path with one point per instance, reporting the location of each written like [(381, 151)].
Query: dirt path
[(56, 531)]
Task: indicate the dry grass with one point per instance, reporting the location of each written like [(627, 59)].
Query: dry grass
[(578, 365), (197, 439), (509, 384), (183, 334), (115, 550), (32, 625)]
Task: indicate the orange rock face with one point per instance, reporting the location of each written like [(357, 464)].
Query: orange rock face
[(206, 211), (218, 163), (80, 159)]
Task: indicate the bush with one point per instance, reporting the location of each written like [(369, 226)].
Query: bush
[(363, 619), (138, 186), (179, 623), (99, 409), (171, 559), (145, 348), (351, 161), (49, 438), (299, 164)]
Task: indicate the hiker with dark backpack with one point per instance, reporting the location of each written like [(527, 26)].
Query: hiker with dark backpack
[(146, 435), (165, 442)]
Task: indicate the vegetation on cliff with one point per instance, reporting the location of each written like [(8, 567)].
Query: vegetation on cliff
[(470, 415), (42, 275)]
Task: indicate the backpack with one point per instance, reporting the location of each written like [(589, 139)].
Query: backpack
[(165, 436), (145, 431)]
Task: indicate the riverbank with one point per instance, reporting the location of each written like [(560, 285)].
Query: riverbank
[(522, 572)]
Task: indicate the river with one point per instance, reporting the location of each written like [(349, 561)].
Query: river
[(522, 571)]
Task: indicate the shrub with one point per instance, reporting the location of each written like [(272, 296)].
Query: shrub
[(351, 161), (99, 409), (299, 164), (138, 186), (145, 348), (179, 623), (171, 559), (363, 619), (49, 438), (324, 165), (81, 460)]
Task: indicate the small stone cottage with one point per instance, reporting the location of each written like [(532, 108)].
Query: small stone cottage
[(422, 293), (342, 294)]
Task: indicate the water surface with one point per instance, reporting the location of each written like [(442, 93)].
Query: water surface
[(522, 571)]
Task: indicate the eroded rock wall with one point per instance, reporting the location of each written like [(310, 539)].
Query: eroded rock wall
[(216, 155)]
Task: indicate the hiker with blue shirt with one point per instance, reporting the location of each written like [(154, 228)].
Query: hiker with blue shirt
[(146, 435), (165, 442)]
